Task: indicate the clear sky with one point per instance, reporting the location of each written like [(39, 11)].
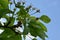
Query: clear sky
[(52, 9)]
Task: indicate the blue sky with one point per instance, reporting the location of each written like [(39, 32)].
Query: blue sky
[(52, 9)]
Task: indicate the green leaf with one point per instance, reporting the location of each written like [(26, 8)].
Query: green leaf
[(15, 37), (43, 27), (8, 34), (3, 12), (33, 32), (34, 39), (22, 11), (45, 18), (38, 24), (12, 21), (37, 29), (33, 29), (32, 17), (25, 32), (42, 34), (4, 3)]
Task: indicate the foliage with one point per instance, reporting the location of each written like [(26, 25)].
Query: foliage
[(31, 24)]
